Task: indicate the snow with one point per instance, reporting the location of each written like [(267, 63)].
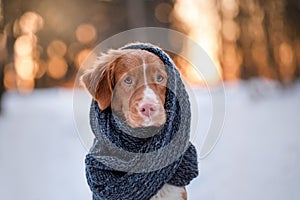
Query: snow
[(257, 156)]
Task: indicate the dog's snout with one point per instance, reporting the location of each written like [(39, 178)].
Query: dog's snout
[(148, 109)]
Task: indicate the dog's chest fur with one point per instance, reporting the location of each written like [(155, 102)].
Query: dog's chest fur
[(170, 192)]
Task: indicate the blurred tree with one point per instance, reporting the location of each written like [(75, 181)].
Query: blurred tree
[(2, 63), (255, 38), (268, 39)]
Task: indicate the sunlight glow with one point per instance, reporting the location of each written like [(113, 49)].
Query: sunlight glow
[(202, 23)]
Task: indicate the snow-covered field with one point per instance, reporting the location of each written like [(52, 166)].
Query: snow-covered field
[(257, 157)]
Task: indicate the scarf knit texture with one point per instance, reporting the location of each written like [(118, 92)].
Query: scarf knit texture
[(121, 165)]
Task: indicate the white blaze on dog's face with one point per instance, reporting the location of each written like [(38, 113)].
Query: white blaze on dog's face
[(133, 83)]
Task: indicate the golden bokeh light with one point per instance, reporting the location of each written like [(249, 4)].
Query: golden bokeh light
[(56, 48), (57, 67), (81, 56), (162, 12), (286, 61), (30, 22), (230, 8), (42, 68), (9, 77), (25, 68), (24, 45), (86, 33), (230, 30), (286, 54), (27, 52), (243, 39)]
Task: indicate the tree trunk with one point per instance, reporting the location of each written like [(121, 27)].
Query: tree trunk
[(2, 63)]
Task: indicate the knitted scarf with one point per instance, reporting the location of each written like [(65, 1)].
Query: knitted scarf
[(134, 163)]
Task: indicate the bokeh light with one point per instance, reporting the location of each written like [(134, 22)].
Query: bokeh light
[(81, 56), (243, 38), (162, 12), (286, 61), (57, 67), (86, 33), (230, 8), (56, 48), (230, 30), (27, 53), (42, 68), (24, 45), (286, 54), (25, 68), (30, 22), (9, 76)]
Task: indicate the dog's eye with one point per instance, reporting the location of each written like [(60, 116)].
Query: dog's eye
[(128, 80), (159, 78)]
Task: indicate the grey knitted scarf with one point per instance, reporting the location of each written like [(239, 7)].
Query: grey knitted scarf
[(134, 163)]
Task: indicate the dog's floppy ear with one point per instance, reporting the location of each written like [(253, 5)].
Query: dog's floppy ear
[(99, 80)]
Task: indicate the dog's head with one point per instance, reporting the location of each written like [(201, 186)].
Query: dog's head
[(132, 83)]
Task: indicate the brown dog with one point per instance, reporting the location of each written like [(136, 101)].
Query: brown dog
[(133, 83)]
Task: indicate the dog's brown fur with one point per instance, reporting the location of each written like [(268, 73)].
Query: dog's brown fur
[(106, 83)]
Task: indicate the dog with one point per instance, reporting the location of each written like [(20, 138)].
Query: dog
[(133, 83)]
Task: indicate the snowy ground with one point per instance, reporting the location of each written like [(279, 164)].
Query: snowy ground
[(257, 157)]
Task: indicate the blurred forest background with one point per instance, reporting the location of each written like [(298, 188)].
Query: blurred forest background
[(43, 42)]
